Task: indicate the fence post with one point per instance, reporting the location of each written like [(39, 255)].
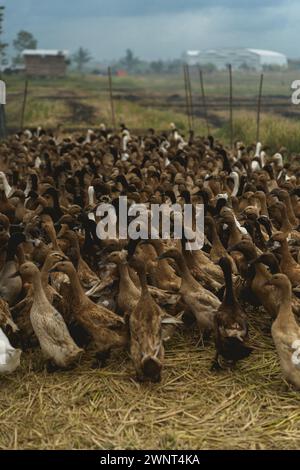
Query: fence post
[(190, 96), (113, 116), (24, 105), (204, 100), (187, 97), (230, 106), (259, 107)]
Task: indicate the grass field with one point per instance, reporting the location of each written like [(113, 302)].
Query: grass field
[(155, 101)]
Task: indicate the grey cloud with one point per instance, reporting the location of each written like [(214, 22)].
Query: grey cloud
[(159, 29), (129, 8)]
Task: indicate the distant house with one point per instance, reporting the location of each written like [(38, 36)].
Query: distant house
[(45, 62)]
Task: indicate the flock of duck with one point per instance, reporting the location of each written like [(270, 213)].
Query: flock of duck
[(65, 291)]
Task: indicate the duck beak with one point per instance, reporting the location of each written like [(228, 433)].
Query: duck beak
[(54, 269), (163, 256), (16, 274), (272, 246)]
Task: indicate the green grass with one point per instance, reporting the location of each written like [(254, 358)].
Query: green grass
[(276, 131), (49, 104)]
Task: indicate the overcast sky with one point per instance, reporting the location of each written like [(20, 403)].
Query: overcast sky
[(156, 28)]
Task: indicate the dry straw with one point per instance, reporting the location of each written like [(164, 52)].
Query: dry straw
[(248, 408)]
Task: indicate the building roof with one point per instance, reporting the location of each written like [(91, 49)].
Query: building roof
[(227, 50), (263, 52), (193, 53), (45, 52)]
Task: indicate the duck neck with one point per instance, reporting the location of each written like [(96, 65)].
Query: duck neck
[(163, 269), (263, 207), (143, 281), (185, 274), (294, 204), (39, 294), (126, 283), (45, 273), (286, 227), (249, 253), (216, 242), (20, 254), (77, 289), (290, 211), (285, 308), (56, 207), (229, 298), (52, 236), (235, 234), (286, 257), (11, 251)]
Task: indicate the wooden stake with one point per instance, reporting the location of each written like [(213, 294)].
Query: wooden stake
[(2, 122), (204, 100), (190, 95), (113, 116), (259, 107), (187, 97), (24, 105), (230, 106)]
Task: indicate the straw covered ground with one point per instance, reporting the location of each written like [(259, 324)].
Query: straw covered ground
[(193, 408)]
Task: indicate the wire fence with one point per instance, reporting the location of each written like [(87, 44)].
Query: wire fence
[(188, 99)]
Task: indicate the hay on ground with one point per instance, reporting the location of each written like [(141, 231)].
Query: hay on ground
[(193, 408)]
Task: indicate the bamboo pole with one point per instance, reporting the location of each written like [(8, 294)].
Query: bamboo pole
[(230, 106), (259, 107), (24, 105), (204, 100), (190, 95), (187, 97), (113, 116)]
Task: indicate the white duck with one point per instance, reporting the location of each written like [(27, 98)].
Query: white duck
[(4, 184), (9, 356)]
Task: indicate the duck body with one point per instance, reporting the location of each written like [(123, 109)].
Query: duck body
[(202, 303), (230, 324), (6, 320), (288, 265), (284, 338), (9, 356), (146, 346), (286, 332), (11, 285), (53, 335), (106, 328)]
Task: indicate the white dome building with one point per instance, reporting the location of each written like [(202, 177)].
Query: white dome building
[(239, 58)]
